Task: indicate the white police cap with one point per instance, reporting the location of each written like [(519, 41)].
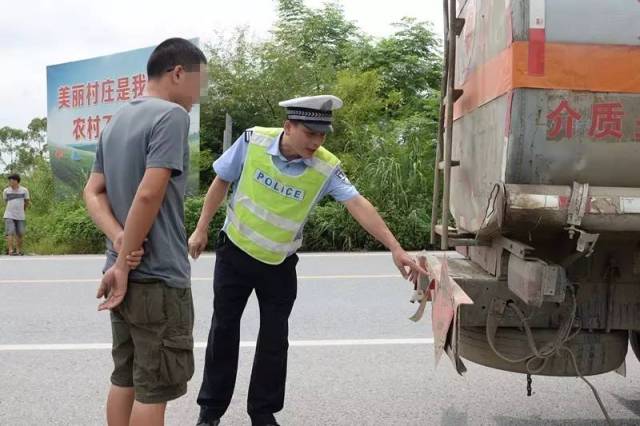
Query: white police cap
[(315, 112)]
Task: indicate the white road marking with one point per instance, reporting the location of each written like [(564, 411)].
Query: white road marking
[(201, 345)]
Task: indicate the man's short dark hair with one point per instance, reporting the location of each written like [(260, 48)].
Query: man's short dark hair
[(171, 53), (14, 176)]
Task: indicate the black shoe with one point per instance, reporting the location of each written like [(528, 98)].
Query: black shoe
[(205, 422), (206, 419), (264, 421)]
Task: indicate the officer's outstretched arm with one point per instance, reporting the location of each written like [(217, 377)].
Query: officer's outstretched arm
[(215, 196), (367, 216)]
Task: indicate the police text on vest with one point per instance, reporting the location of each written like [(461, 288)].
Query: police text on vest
[(279, 187)]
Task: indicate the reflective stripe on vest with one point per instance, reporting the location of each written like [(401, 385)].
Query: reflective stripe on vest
[(259, 239), (269, 208), (265, 214)]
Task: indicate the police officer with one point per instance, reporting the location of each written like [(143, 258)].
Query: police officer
[(277, 177)]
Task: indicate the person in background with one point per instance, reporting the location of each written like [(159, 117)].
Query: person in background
[(17, 201)]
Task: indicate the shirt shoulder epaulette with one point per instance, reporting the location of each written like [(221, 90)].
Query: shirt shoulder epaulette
[(247, 135)]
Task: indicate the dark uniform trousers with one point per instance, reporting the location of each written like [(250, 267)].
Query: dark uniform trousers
[(236, 275)]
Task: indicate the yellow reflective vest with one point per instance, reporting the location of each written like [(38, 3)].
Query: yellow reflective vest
[(269, 208)]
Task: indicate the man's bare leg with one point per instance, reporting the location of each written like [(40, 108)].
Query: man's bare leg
[(10, 243), (19, 243), (147, 414), (119, 404)]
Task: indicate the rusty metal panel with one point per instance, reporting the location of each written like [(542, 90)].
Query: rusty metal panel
[(486, 32), (479, 145), (558, 137), (554, 138)]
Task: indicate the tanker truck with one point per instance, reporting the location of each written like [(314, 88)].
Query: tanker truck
[(537, 187)]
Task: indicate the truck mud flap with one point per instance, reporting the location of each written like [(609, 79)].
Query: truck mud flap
[(447, 297)]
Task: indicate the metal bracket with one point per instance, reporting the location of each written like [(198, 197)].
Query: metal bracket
[(456, 239), (586, 241), (575, 213), (514, 247), (468, 242), (553, 281), (578, 203)]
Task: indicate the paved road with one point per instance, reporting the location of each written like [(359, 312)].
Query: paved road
[(355, 358)]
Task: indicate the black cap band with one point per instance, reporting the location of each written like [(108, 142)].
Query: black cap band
[(306, 114)]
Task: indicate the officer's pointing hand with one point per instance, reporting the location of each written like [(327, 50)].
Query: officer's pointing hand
[(408, 267)]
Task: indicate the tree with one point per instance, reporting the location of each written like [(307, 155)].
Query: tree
[(20, 150), (409, 60), (37, 135), (11, 141)]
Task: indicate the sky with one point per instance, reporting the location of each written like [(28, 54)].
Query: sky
[(37, 33)]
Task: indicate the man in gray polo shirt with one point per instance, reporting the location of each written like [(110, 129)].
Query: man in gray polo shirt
[(135, 195)]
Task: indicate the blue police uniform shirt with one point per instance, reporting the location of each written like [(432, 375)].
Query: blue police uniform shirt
[(229, 168)]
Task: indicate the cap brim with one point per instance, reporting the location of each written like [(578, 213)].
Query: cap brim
[(318, 127)]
